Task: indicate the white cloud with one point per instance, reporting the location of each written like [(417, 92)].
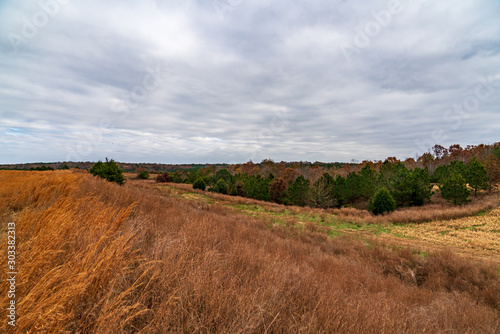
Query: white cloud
[(269, 80)]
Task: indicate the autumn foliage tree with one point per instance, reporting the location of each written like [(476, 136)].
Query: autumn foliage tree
[(277, 190), (165, 177), (492, 165)]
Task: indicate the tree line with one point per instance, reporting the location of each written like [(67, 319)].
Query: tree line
[(392, 186)]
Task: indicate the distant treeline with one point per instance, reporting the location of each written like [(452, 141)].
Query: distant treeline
[(456, 170)]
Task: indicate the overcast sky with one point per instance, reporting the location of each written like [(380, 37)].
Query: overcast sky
[(233, 80)]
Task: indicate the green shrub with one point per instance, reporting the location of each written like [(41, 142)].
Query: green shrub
[(220, 187), (199, 184), (108, 170), (382, 202), (143, 175)]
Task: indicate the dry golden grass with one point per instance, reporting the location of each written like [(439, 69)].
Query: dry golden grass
[(476, 232), (437, 210), (98, 258)]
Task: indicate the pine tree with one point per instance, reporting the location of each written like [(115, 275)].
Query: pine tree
[(382, 202), (454, 189), (297, 191), (476, 175), (108, 170), (199, 184)]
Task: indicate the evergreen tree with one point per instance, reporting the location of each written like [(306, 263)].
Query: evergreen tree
[(454, 189), (144, 175), (419, 186), (108, 170), (368, 181), (199, 184), (220, 187), (354, 185), (340, 191), (382, 202), (298, 190), (476, 175)]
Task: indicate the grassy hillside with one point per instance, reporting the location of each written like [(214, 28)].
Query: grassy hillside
[(96, 257)]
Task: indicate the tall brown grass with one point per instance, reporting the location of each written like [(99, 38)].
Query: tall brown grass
[(98, 258)]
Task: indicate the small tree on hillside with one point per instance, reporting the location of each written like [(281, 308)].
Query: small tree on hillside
[(476, 175), (382, 202), (144, 175), (220, 187), (454, 189), (199, 184), (108, 170)]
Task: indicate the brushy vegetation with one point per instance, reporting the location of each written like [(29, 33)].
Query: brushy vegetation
[(382, 202), (143, 175), (97, 257), (108, 170)]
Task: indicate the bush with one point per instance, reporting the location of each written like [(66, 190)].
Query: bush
[(220, 187), (143, 175), (454, 189), (199, 184), (42, 168), (165, 177), (108, 170), (382, 202)]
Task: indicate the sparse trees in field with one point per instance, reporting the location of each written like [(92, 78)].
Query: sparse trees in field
[(382, 202), (108, 170)]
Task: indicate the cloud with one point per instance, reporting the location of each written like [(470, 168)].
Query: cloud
[(230, 81)]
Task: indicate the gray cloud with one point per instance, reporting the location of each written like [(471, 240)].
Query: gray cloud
[(168, 81)]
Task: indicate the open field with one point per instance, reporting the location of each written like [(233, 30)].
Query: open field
[(477, 236), (97, 257)]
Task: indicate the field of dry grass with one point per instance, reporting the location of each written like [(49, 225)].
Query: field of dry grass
[(95, 257), (475, 235)]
